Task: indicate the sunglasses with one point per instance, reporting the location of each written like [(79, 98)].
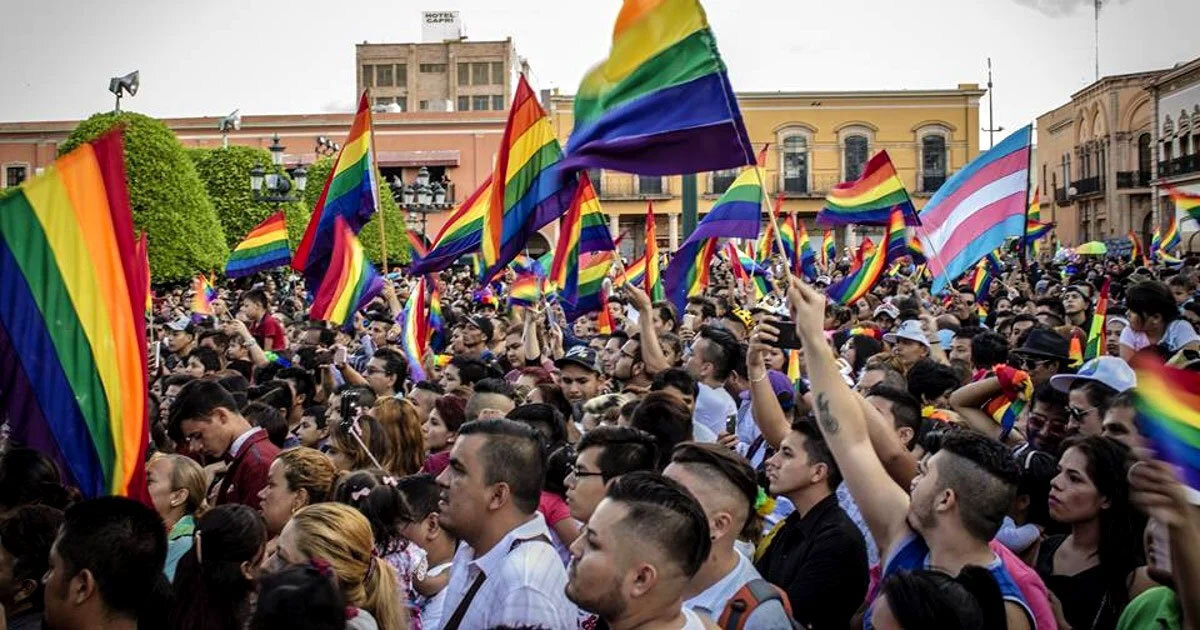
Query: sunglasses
[(1076, 413)]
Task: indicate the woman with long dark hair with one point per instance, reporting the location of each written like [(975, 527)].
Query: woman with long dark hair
[(1092, 570), (215, 578), (915, 600)]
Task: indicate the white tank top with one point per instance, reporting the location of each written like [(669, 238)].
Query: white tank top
[(692, 620)]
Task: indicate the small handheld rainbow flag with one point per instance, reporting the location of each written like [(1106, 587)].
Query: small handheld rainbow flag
[(869, 200), (415, 334), (1095, 342), (1186, 201), (437, 322), (861, 279), (653, 280), (1167, 400), (417, 242), (1170, 236), (265, 247), (829, 247), (1135, 247), (350, 280), (202, 298), (526, 290), (633, 274), (808, 256)]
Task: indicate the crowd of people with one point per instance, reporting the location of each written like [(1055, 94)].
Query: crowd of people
[(783, 462)]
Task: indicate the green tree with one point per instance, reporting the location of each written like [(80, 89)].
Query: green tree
[(399, 251), (169, 201), (226, 176)]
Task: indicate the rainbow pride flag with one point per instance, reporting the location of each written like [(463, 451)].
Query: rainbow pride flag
[(915, 251), (1170, 236), (437, 321), (1167, 400), (1095, 341), (634, 273), (766, 242), (664, 59), (787, 235), (459, 235), (829, 248), (860, 280), (525, 290), (981, 281), (350, 282), (1135, 247), (589, 292), (265, 247), (203, 295), (1185, 201), (604, 324), (1155, 243), (528, 189), (417, 242), (734, 215), (652, 279), (72, 325), (582, 229), (351, 192), (141, 250), (414, 337), (808, 256), (869, 200)]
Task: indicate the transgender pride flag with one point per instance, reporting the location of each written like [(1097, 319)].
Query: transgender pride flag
[(977, 209)]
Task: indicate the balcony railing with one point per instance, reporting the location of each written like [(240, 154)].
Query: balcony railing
[(1133, 179), (1061, 197), (1180, 165), (1086, 186), (628, 187)]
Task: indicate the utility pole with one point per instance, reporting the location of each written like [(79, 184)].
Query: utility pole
[(991, 128)]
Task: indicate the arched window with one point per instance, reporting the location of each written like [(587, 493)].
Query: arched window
[(1143, 154), (933, 162), (795, 164), (857, 147)]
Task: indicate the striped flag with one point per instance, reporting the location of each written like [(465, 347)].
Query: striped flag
[(977, 209)]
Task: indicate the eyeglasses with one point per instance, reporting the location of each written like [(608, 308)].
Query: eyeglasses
[(1030, 363), (580, 474), (1076, 413)]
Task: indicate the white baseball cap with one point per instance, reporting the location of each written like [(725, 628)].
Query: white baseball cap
[(909, 329), (1110, 371)]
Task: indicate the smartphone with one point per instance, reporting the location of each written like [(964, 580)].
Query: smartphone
[(689, 321), (349, 408), (339, 355), (731, 424), (787, 334)]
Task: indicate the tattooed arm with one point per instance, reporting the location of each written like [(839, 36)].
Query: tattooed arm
[(884, 504)]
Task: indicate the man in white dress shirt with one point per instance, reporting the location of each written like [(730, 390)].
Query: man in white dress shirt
[(714, 353), (506, 571), (724, 484), (636, 555)]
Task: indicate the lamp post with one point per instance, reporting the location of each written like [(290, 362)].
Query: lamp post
[(419, 198), (272, 185)]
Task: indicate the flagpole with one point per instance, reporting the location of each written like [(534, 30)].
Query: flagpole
[(1025, 227), (374, 166), (762, 200)]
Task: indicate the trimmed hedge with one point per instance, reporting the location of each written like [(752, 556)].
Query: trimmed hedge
[(399, 251), (169, 201), (226, 176)]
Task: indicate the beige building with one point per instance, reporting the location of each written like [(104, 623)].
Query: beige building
[(817, 139), (1177, 138), (454, 75), (1094, 160)]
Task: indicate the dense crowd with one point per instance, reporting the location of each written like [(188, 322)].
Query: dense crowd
[(748, 463)]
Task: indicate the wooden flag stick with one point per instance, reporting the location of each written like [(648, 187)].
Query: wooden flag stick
[(383, 253)]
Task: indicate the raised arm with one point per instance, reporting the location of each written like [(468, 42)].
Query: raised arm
[(652, 353), (968, 401), (765, 408), (897, 460), (884, 505)]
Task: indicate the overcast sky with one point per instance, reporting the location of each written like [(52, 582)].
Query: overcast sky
[(209, 57)]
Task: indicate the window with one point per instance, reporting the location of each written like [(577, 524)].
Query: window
[(479, 103), (402, 102), (650, 185), (14, 175), (856, 156), (1167, 146), (497, 73), (433, 68), (368, 75), (933, 162), (401, 74), (383, 101), (464, 103), (795, 164), (722, 179), (424, 105), (479, 73), (1045, 193), (383, 75), (498, 102), (464, 74)]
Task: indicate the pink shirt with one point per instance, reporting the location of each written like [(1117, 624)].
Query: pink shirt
[(1031, 586), (554, 509)]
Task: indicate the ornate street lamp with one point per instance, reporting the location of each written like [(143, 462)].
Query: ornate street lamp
[(419, 198), (273, 185)]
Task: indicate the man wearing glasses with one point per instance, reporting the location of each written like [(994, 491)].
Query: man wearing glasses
[(605, 453), (1043, 355)]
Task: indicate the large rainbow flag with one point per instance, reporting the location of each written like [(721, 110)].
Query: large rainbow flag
[(1185, 201), (860, 280), (664, 59), (1170, 236), (977, 209), (460, 234), (72, 321), (583, 229), (634, 273), (415, 329), (528, 189), (869, 199), (437, 321), (1167, 400), (265, 247), (589, 291), (350, 282), (734, 215), (351, 192)]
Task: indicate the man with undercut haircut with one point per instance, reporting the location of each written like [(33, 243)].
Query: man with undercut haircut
[(637, 554), (725, 486)]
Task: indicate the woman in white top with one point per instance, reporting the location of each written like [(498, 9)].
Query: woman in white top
[(1154, 320)]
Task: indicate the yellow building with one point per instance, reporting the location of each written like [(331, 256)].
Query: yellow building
[(817, 139)]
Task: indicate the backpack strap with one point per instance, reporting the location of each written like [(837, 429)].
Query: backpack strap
[(749, 597)]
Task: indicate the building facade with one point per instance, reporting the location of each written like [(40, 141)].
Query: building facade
[(816, 140), (1177, 140), (446, 76), (1094, 161)]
